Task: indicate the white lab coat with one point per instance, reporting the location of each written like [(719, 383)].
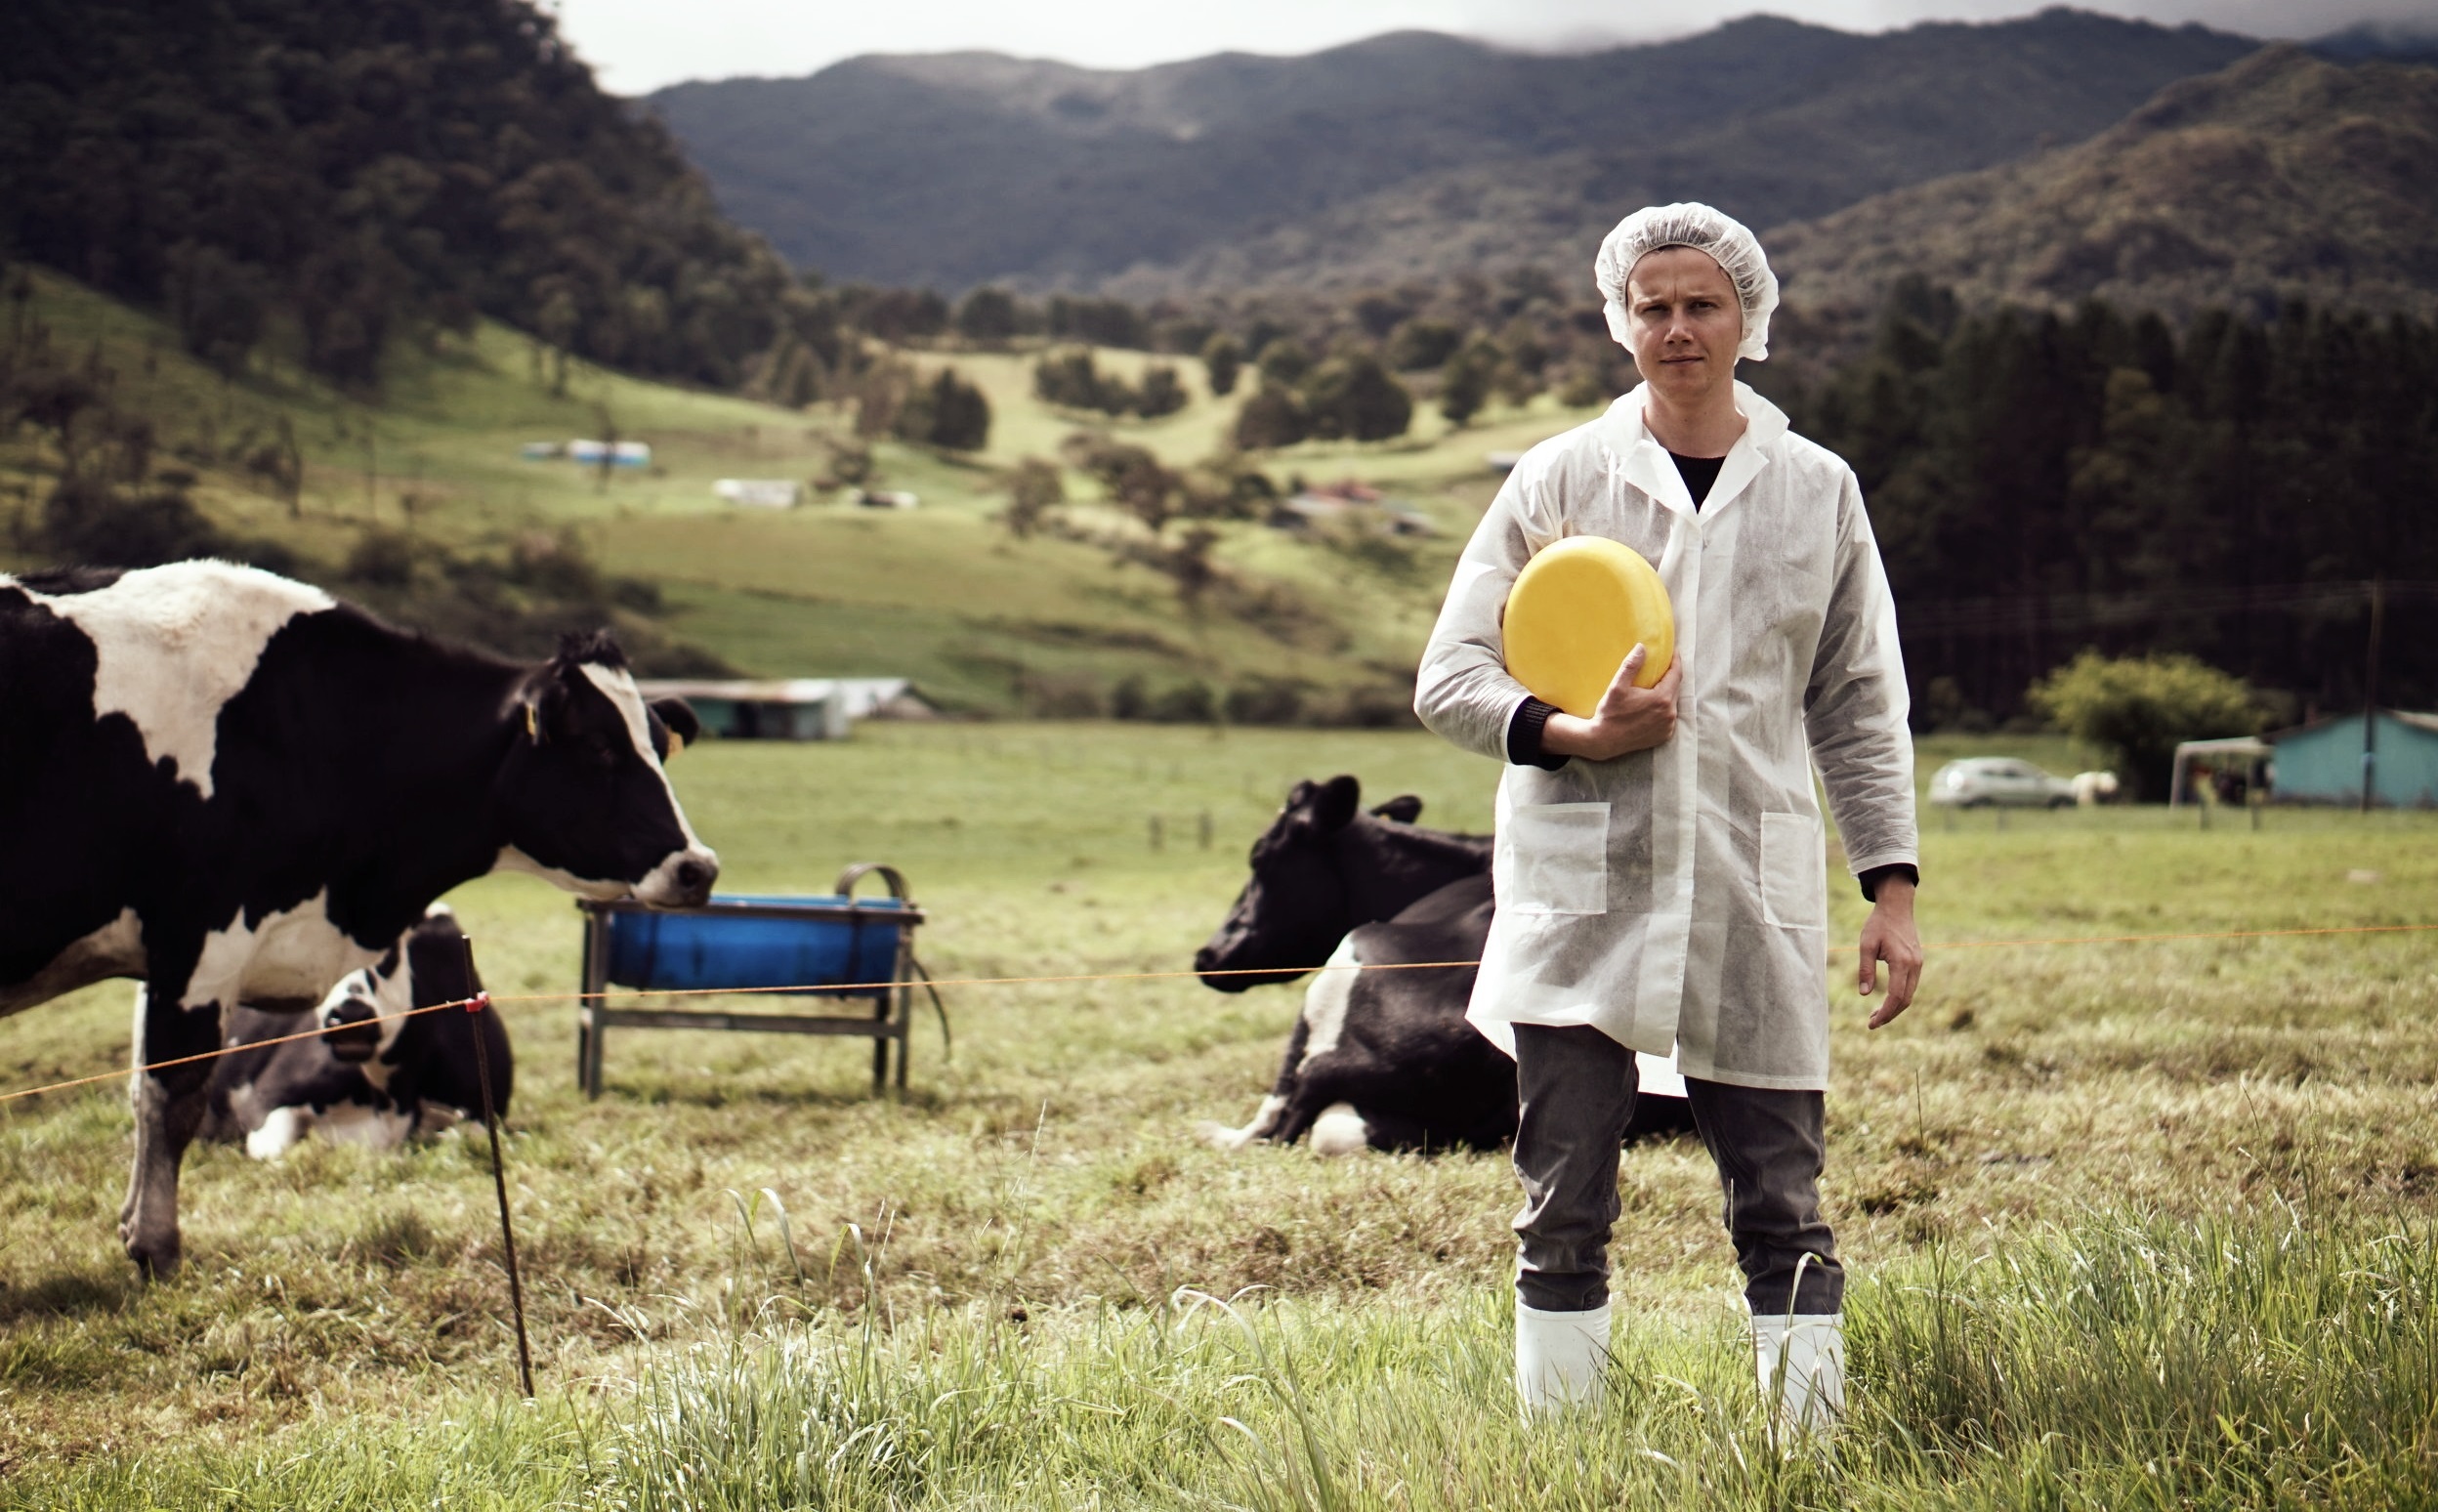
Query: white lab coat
[(1677, 897)]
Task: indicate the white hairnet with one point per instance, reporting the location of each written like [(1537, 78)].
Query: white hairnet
[(1704, 230)]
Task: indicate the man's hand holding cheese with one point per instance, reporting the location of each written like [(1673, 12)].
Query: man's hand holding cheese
[(1660, 863)]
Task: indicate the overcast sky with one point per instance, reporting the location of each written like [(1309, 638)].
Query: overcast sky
[(639, 45)]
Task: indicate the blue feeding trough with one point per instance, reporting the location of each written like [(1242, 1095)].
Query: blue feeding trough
[(820, 943), (833, 944)]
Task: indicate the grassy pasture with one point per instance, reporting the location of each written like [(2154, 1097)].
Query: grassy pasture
[(2131, 1224)]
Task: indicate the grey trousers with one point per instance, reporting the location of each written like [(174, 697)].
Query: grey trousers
[(1577, 1086)]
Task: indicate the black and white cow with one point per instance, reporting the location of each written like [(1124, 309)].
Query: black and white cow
[(383, 1072), (237, 790), (1380, 1059)]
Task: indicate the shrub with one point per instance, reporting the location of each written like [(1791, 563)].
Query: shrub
[(1285, 362), (383, 557), (1272, 418), (1465, 385), (1265, 701), (87, 522), (1187, 704), (947, 412), (1034, 489), (988, 314), (1582, 388), (1161, 394), (2141, 707), (1223, 358), (1071, 379), (1355, 397), (1421, 344)]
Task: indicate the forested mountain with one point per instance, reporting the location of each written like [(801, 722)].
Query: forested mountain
[(355, 170), (2282, 176), (1411, 155)]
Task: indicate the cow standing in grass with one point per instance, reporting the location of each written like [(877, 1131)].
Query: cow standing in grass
[(237, 790)]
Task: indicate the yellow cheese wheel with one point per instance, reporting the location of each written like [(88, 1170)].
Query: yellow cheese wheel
[(1575, 610)]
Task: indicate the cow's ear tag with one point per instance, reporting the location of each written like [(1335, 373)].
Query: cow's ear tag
[(677, 743), (533, 724)]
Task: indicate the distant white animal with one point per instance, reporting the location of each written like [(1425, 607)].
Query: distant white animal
[(2092, 788)]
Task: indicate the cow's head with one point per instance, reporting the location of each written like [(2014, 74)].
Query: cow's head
[(585, 800), (1299, 901), (362, 1015)]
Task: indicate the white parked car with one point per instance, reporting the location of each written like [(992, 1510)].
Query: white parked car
[(1982, 781)]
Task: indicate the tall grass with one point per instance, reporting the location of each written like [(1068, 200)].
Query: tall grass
[(2248, 1361)]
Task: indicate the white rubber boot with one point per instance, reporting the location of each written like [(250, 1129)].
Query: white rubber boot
[(1559, 1357), (1802, 1367)]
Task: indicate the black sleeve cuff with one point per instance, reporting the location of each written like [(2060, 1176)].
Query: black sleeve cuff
[(1871, 879), (1524, 736)]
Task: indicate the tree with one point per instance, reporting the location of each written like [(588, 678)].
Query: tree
[(1354, 397), (218, 303), (1222, 358), (1104, 323), (1422, 344), (1034, 489), (1272, 418), (1135, 481), (988, 314), (1285, 362), (2141, 707), (1464, 385), (1072, 379), (946, 411), (1161, 394)]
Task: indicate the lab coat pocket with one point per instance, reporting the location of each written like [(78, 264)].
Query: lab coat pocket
[(1557, 857), (1794, 862)]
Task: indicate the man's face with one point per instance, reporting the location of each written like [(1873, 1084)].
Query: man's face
[(1686, 323)]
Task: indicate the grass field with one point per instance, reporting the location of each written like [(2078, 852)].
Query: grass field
[(2130, 1224), (941, 594)]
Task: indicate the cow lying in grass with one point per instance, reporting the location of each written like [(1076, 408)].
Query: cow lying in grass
[(1380, 1059), (383, 1074)]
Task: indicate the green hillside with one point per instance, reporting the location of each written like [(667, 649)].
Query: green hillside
[(944, 594)]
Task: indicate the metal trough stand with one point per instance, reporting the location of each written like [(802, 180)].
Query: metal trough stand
[(892, 993)]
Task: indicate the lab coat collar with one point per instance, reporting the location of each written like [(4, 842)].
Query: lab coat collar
[(1637, 456)]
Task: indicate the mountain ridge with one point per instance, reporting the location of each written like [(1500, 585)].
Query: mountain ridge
[(2282, 176), (1238, 169)]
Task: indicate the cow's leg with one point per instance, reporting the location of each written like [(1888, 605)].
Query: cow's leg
[(1326, 1103), (1266, 1116), (1340, 1130), (169, 1106)]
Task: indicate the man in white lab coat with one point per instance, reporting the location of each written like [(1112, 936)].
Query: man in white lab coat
[(1660, 866)]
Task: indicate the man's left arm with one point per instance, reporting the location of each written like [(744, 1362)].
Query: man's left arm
[(1854, 712)]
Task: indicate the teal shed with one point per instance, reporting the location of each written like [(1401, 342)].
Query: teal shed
[(2321, 761)]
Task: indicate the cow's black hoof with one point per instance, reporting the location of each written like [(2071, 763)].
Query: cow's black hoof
[(155, 1261)]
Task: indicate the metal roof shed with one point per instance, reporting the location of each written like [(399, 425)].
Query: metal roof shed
[(2322, 763), (2250, 748), (791, 708)]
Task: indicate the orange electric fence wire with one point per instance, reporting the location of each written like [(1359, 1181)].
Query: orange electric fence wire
[(850, 989)]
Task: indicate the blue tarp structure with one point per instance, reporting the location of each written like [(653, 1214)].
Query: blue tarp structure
[(2321, 761)]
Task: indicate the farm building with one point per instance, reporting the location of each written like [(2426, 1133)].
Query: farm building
[(759, 493), (792, 708), (2321, 761)]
